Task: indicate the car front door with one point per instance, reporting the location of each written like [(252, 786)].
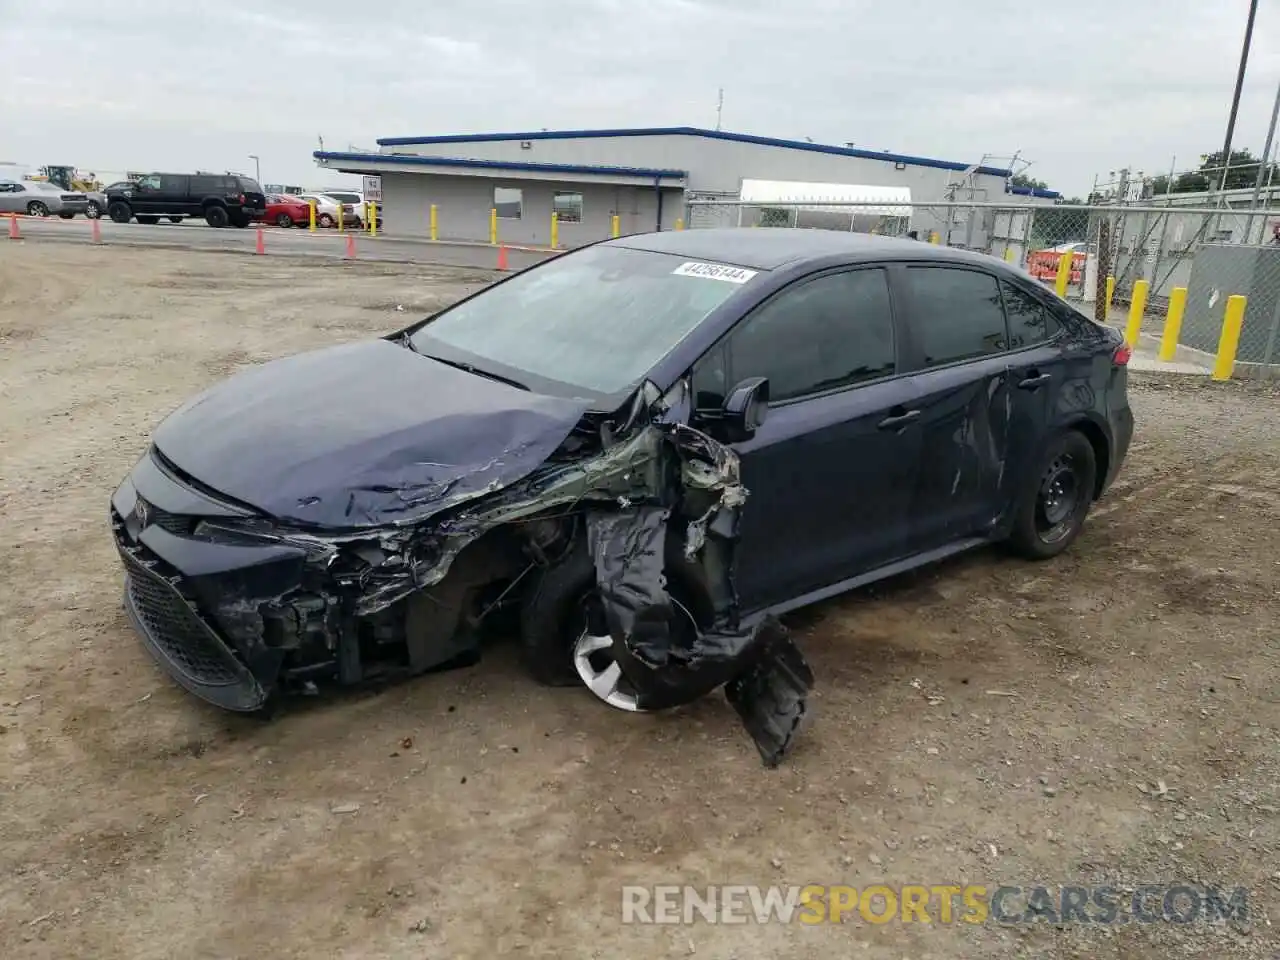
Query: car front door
[(146, 198), (957, 352), (829, 472)]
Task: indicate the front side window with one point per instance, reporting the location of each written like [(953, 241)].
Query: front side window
[(1030, 321), (821, 334), (149, 182), (596, 320), (957, 314)]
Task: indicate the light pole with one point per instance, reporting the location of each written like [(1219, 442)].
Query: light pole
[(257, 170)]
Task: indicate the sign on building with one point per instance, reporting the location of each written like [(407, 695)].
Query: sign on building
[(373, 189)]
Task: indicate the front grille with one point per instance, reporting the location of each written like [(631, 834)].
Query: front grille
[(175, 523), (174, 626)]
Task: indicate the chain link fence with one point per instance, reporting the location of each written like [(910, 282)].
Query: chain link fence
[(1149, 251)]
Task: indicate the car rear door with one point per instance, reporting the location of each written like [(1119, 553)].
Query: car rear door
[(829, 471), (956, 341)]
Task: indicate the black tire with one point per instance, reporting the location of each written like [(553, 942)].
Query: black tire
[(93, 211), (119, 211), (67, 216), (147, 218), (37, 209), (1059, 493), (554, 606), (284, 220), (325, 220), (174, 219), (216, 216)]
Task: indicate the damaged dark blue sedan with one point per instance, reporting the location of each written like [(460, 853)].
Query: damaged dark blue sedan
[(638, 455)]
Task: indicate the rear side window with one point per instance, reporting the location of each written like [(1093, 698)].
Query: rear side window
[(957, 314), (210, 185), (820, 334), (1030, 321)]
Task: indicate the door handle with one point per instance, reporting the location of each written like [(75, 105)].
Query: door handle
[(898, 421), (1034, 381)]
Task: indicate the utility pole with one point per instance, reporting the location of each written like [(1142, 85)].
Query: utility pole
[(720, 106), (257, 169), (1235, 97), (1265, 165)]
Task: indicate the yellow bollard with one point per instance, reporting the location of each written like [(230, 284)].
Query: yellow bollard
[(373, 219), (342, 218), (1229, 342), (1008, 254), (1137, 307), (934, 238), (555, 229), (1173, 323), (493, 226), (616, 229), (434, 232), (679, 223), (311, 213), (1111, 292), (1064, 275)]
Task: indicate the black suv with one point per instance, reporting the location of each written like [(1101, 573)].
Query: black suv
[(219, 198)]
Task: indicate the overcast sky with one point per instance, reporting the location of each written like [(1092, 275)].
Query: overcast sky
[(1078, 88)]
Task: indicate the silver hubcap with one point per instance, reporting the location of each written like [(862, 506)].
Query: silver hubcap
[(601, 673)]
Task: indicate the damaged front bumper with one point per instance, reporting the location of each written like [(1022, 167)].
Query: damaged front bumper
[(235, 606)]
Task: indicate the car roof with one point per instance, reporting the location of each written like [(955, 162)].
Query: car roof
[(767, 248)]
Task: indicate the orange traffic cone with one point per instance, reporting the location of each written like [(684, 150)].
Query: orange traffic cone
[(95, 230), (502, 256), (13, 227), (351, 246), (260, 247)]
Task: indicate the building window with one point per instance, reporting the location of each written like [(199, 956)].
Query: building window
[(509, 202), (567, 206)]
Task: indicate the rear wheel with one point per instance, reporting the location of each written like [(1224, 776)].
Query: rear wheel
[(284, 220), (37, 209), (325, 220), (120, 212), (1057, 499), (216, 216), (148, 218)]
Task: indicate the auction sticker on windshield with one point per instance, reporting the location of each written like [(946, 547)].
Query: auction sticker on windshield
[(714, 271)]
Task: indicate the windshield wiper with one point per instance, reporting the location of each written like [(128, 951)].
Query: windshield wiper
[(470, 368)]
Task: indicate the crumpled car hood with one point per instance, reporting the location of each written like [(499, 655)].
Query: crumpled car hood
[(362, 434)]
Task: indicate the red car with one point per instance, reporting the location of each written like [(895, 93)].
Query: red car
[(287, 211)]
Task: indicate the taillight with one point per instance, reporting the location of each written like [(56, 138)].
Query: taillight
[(1122, 354)]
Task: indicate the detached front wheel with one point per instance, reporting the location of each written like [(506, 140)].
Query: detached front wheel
[(1060, 492)]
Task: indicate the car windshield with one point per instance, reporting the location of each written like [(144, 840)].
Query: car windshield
[(595, 320)]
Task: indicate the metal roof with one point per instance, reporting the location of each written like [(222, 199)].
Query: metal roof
[(398, 159), (770, 248), (1034, 192), (696, 132)]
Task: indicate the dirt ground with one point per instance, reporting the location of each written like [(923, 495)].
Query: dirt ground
[(1107, 717)]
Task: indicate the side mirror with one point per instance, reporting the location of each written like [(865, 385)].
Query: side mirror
[(745, 409)]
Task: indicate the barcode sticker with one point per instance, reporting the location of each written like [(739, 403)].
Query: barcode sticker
[(714, 271)]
